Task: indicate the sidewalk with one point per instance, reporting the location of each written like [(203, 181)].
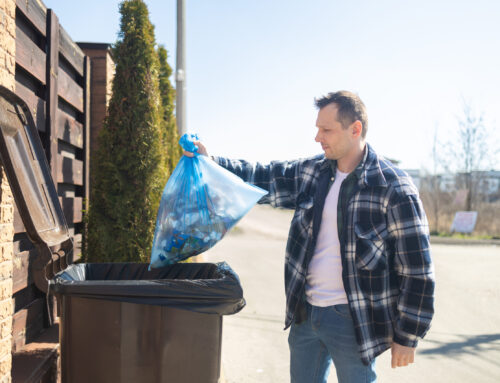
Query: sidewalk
[(463, 344)]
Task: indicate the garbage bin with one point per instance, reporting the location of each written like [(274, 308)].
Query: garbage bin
[(119, 322), (123, 323)]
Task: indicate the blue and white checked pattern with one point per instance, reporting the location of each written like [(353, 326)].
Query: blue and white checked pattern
[(387, 268)]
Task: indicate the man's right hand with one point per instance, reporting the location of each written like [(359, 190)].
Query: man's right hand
[(401, 355), (201, 150)]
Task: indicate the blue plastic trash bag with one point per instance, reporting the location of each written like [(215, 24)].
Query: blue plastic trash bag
[(200, 203)]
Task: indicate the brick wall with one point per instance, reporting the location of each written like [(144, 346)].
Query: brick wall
[(7, 79), (7, 42), (6, 309)]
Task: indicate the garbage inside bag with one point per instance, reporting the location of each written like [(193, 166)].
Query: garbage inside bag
[(211, 288), (200, 203)]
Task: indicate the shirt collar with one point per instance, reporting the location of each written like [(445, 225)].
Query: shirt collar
[(368, 171), (371, 174), (332, 164)]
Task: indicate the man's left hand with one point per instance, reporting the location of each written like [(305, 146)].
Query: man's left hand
[(401, 355)]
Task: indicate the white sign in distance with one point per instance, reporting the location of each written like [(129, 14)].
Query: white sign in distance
[(464, 222)]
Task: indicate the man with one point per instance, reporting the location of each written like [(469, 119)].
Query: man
[(358, 275)]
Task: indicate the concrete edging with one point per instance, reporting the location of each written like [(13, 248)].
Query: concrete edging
[(464, 241)]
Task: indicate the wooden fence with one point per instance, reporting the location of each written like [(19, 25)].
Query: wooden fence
[(52, 76)]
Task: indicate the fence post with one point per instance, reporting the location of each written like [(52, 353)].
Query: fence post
[(86, 145), (51, 91)]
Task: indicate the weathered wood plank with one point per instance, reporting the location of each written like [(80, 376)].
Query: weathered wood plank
[(69, 130), (25, 297), (35, 103), (18, 222), (35, 12), (51, 91), (21, 273), (30, 56), (71, 51), (22, 243), (69, 170), (27, 324), (70, 90), (37, 361), (72, 208)]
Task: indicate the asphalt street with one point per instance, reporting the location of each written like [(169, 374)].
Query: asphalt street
[(463, 344)]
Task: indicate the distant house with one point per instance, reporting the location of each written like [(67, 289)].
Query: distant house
[(447, 182), (489, 182)]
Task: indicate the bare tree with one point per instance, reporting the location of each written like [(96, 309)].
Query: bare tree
[(470, 152), (435, 184), (435, 199)]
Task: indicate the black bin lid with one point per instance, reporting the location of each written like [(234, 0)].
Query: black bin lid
[(28, 173)]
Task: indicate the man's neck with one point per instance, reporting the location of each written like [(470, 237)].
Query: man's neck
[(348, 163)]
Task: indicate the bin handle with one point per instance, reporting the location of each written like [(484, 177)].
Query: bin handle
[(49, 263)]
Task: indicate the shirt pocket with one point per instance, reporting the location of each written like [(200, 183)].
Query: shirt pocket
[(370, 247)]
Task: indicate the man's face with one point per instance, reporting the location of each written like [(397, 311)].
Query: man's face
[(336, 141)]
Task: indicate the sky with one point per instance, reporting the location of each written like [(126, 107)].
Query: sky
[(254, 68)]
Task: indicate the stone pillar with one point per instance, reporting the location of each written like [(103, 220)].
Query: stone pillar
[(7, 79), (101, 81)]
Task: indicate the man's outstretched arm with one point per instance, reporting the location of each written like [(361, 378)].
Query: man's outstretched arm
[(279, 178)]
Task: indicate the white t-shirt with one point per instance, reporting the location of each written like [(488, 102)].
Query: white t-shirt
[(324, 286)]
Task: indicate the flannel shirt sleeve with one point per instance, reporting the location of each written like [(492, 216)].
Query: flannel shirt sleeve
[(407, 225), (279, 179)]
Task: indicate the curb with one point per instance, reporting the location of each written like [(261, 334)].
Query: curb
[(465, 241), (271, 233)]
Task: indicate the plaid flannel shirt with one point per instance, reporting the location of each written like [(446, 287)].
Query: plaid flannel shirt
[(387, 269)]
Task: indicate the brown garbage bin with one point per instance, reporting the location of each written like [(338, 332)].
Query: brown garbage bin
[(123, 323)]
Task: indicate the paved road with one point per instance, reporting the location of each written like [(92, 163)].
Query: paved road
[(463, 344)]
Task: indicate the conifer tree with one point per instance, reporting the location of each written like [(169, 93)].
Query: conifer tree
[(171, 149), (129, 172)]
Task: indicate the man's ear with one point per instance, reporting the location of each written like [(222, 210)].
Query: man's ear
[(357, 128)]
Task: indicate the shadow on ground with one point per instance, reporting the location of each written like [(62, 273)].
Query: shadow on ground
[(465, 345)]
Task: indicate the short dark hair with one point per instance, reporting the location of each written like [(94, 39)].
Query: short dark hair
[(350, 108)]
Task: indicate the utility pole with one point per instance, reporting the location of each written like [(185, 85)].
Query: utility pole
[(180, 73)]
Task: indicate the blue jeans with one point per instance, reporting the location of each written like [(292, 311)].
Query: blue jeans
[(327, 334)]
